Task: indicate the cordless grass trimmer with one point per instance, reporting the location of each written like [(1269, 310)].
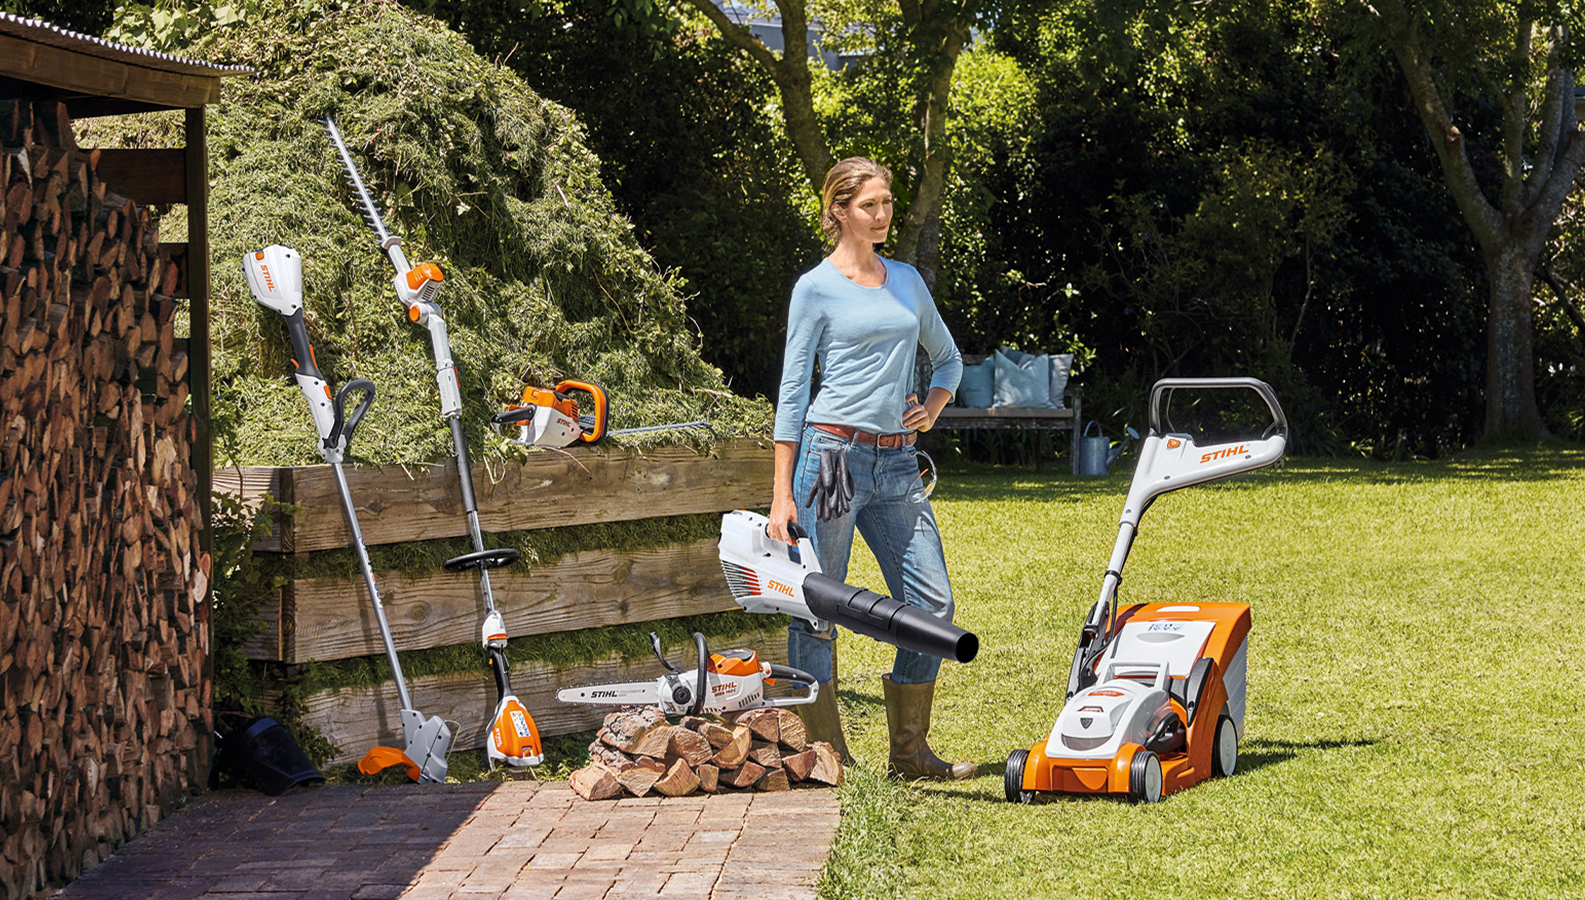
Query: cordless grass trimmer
[(275, 275), (513, 738)]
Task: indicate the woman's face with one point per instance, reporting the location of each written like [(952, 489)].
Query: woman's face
[(868, 216)]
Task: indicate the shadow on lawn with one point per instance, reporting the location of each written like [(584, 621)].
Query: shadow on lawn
[(1253, 757)]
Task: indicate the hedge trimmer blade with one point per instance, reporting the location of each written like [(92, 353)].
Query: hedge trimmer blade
[(370, 213)]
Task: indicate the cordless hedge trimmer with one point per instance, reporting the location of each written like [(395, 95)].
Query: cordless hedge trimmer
[(551, 417), (275, 275), (513, 737)]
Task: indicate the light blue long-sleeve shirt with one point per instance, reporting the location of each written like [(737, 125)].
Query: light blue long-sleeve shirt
[(864, 339)]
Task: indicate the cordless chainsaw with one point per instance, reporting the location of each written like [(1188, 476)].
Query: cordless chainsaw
[(551, 417), (512, 736), (726, 682)]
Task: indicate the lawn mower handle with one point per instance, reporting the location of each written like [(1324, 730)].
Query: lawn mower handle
[(1255, 384)]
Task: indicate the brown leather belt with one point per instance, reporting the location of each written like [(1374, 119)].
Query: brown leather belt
[(900, 439)]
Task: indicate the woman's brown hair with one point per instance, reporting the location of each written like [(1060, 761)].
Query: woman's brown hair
[(842, 182)]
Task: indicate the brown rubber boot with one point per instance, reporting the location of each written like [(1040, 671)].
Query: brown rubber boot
[(908, 722), (823, 720)]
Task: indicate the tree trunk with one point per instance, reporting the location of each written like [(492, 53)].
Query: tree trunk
[(1511, 409)]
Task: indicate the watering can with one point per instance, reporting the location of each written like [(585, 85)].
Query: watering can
[(1096, 452)]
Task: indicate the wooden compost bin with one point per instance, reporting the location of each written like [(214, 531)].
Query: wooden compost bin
[(328, 619), (104, 667)]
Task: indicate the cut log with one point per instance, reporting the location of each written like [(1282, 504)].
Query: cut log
[(657, 743), (743, 776), (709, 778), (642, 775), (690, 746), (736, 751), (799, 765), (609, 756), (773, 780), (828, 766), (680, 779), (595, 782), (717, 734), (766, 754), (791, 731), (765, 724), (625, 729)]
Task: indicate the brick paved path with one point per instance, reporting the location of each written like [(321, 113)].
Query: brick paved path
[(514, 841)]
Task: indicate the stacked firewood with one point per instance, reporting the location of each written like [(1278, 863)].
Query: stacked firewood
[(104, 694), (639, 750)]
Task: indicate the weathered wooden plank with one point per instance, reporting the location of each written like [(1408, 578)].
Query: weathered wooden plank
[(549, 490), (331, 618), (356, 719)]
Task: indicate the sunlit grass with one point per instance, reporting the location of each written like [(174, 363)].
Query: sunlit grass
[(1416, 688)]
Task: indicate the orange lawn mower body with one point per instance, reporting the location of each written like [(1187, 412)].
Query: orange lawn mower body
[(1156, 691)]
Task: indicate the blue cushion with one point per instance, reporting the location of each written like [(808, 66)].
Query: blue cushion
[(1026, 383), (976, 389), (1061, 365)]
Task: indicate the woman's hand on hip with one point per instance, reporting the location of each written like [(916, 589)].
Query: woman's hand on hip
[(917, 417)]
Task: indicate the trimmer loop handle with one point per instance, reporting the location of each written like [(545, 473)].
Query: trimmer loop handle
[(345, 425)]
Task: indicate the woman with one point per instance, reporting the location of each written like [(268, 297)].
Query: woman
[(861, 317)]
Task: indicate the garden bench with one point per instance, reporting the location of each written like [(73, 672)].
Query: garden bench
[(1041, 420)]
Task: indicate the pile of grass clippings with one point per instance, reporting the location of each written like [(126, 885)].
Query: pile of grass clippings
[(544, 277)]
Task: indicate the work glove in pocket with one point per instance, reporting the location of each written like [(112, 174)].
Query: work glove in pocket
[(831, 495)]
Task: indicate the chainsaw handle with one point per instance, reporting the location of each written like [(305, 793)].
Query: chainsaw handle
[(345, 425), (791, 674), (704, 675), (594, 425), (797, 676)]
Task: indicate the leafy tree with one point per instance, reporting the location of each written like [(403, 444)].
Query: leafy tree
[(1509, 176), (927, 37), (86, 16)]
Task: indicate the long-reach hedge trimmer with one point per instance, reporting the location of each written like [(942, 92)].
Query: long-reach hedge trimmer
[(275, 275), (513, 738)]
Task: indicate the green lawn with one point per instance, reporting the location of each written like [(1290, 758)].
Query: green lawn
[(1416, 720)]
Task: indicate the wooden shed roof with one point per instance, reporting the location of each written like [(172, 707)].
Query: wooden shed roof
[(94, 76)]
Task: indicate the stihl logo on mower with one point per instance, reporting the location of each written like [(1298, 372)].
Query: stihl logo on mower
[(1223, 454), (778, 586)]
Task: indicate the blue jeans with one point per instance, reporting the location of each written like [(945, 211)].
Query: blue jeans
[(889, 509)]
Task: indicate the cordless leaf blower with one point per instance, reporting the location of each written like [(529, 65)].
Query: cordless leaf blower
[(275, 275), (726, 682), (768, 576), (1155, 694), (513, 737)]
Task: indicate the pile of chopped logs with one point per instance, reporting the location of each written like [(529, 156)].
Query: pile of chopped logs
[(104, 697), (638, 750)]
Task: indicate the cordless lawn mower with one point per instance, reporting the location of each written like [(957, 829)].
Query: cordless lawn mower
[(275, 275), (1155, 699), (726, 682)]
